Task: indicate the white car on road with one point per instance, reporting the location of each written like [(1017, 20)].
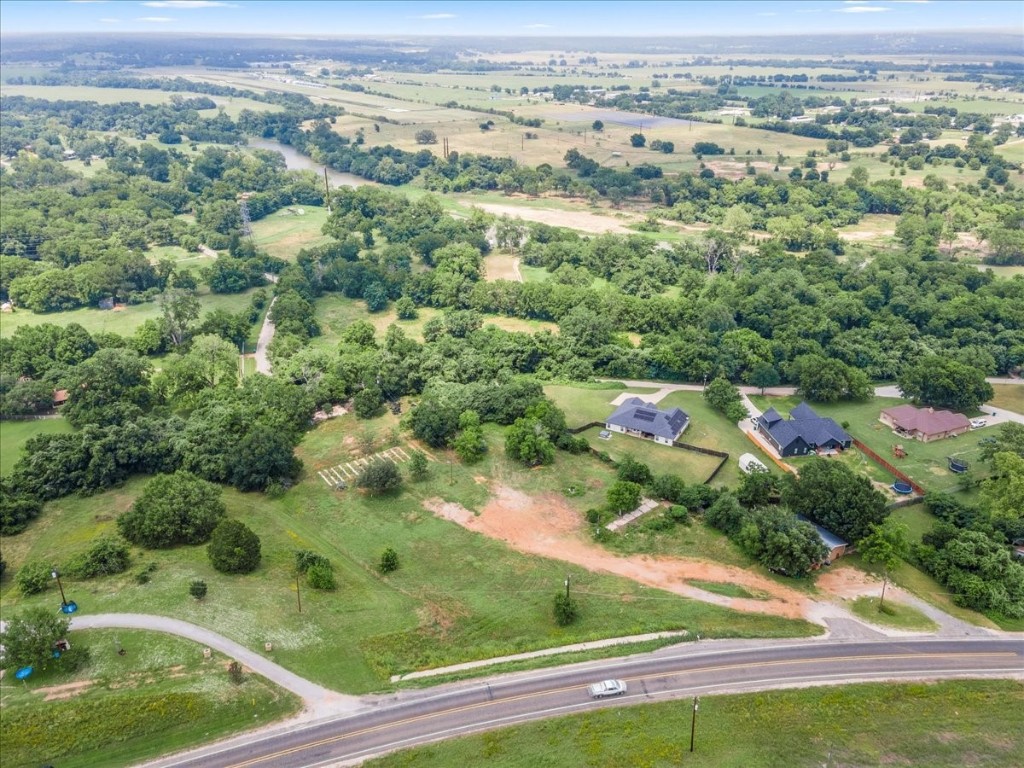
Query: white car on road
[(978, 423), (607, 688)]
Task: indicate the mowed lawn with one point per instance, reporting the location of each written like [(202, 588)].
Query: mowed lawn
[(284, 233), (458, 595), (925, 463), (939, 725), (693, 467), (14, 435), (1009, 396), (160, 696)]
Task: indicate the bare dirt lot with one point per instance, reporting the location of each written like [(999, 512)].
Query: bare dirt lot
[(581, 220), (546, 526)]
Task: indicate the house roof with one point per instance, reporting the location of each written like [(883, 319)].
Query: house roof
[(803, 423), (926, 420), (829, 539), (642, 416)]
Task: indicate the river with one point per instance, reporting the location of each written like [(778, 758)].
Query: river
[(299, 162)]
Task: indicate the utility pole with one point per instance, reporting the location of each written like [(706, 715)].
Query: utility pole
[(693, 720), (298, 595), (327, 190), (56, 575), (567, 580)]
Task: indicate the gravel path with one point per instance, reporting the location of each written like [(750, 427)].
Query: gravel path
[(319, 701), (266, 336)]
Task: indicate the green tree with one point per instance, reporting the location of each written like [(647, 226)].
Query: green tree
[(597, 125), (1003, 493), (623, 496), (725, 398), (388, 561), (368, 402), (780, 542), (887, 545), (1009, 439), (566, 610), (111, 387), (470, 444), (264, 455), (418, 467), (233, 548), (180, 308), (197, 588), (426, 136), (528, 440), (405, 308), (320, 575), (836, 497), (758, 489), (173, 509), (29, 637), (108, 555), (945, 383), (763, 376), (634, 471), (379, 476), (637, 140)]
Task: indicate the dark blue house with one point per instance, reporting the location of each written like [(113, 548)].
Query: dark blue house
[(805, 432)]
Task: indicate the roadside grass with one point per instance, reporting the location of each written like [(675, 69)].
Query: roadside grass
[(284, 233), (14, 435), (1009, 396), (925, 587), (122, 321), (159, 697), (437, 609), (892, 614), (925, 463), (933, 724), (697, 540), (543, 662)]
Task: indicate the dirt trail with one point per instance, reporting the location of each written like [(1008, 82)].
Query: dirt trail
[(546, 526)]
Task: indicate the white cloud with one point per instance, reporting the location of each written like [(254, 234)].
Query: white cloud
[(188, 5), (863, 9), (155, 19), (538, 26), (437, 16)]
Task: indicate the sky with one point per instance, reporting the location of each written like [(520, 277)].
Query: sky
[(551, 18)]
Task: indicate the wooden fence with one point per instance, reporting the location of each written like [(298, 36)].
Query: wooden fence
[(887, 466)]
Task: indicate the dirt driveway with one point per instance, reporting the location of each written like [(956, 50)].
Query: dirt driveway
[(546, 526)]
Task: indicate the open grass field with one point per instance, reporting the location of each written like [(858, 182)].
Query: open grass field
[(936, 724), (284, 233), (14, 435), (1009, 396), (159, 697), (925, 463), (435, 610), (123, 321)]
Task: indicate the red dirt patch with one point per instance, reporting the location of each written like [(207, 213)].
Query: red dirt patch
[(68, 691), (546, 526)]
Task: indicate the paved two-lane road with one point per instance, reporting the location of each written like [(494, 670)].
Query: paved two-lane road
[(421, 717)]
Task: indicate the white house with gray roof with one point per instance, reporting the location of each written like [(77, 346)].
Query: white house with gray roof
[(639, 418)]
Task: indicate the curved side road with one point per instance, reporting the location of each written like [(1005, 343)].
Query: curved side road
[(319, 701), (421, 717)]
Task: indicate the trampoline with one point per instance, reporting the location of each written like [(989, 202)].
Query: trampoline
[(958, 466), (901, 487)]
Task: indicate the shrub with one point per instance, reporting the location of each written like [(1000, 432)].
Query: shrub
[(321, 576), (197, 589), (107, 556), (379, 476), (634, 471), (418, 468), (304, 560), (33, 577), (388, 561), (235, 672), (234, 548)]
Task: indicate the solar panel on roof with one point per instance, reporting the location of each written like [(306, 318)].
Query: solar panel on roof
[(645, 415)]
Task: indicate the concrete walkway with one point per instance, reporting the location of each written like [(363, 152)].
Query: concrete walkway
[(318, 701), (537, 654), (646, 505)]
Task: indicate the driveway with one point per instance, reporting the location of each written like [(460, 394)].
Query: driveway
[(266, 336)]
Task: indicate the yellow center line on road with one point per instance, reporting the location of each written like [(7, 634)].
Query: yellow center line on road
[(538, 694)]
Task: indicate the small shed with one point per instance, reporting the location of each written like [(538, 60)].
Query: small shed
[(836, 546), (60, 396)]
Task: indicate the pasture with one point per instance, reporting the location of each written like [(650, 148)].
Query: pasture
[(15, 433), (287, 231)]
